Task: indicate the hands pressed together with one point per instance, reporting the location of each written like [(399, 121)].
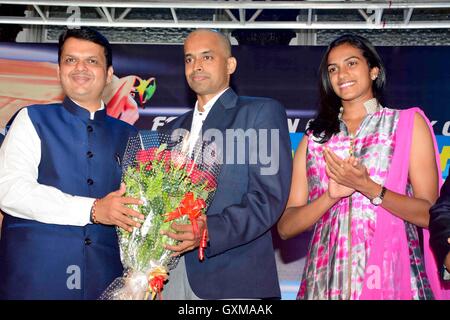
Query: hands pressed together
[(346, 175)]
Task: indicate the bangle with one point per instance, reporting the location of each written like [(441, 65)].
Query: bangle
[(93, 217)]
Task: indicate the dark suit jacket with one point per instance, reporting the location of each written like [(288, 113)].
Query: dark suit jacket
[(440, 224), (240, 260)]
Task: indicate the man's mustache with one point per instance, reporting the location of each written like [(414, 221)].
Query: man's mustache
[(199, 74), (84, 74)]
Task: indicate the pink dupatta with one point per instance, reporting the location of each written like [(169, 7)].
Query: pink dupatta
[(388, 273)]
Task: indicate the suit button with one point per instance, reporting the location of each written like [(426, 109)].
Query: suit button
[(87, 241), (89, 128), (90, 182), (89, 154)]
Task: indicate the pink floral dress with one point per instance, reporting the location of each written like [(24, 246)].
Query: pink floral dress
[(342, 238)]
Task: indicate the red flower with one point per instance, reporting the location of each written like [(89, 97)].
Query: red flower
[(195, 175), (164, 156), (144, 156), (179, 160), (211, 180), (201, 177)]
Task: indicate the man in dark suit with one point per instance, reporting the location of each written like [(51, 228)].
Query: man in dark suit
[(440, 229), (251, 195)]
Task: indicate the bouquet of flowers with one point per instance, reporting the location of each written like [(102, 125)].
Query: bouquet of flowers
[(173, 187)]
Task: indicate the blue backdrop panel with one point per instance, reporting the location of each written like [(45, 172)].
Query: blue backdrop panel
[(416, 76)]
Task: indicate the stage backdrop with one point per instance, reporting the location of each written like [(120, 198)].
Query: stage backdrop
[(149, 88)]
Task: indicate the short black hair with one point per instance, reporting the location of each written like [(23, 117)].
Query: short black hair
[(88, 34)]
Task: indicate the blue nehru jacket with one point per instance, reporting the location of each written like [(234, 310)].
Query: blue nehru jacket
[(80, 157)]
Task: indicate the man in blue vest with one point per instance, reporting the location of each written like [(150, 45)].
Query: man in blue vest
[(251, 192), (60, 190)]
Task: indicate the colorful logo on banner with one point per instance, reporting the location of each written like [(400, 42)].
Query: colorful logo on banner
[(444, 151)]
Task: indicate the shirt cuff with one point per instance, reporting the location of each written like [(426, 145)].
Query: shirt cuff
[(84, 207)]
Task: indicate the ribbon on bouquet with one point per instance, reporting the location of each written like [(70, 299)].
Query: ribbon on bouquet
[(156, 282), (191, 207), (203, 244)]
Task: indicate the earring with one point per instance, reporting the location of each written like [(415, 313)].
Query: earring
[(341, 111), (373, 77)]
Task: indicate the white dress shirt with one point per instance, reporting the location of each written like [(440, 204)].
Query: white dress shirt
[(198, 119), (20, 193)]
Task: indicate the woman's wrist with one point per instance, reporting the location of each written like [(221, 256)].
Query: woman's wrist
[(330, 199), (371, 190)]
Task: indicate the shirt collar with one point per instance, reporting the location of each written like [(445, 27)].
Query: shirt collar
[(372, 106), (83, 113), (208, 106)]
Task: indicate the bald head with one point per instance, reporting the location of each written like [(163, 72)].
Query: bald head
[(223, 41), (208, 63)]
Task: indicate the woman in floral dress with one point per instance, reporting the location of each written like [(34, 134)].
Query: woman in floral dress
[(364, 179)]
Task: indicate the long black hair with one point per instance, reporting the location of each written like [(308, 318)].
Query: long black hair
[(88, 34), (326, 123)]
